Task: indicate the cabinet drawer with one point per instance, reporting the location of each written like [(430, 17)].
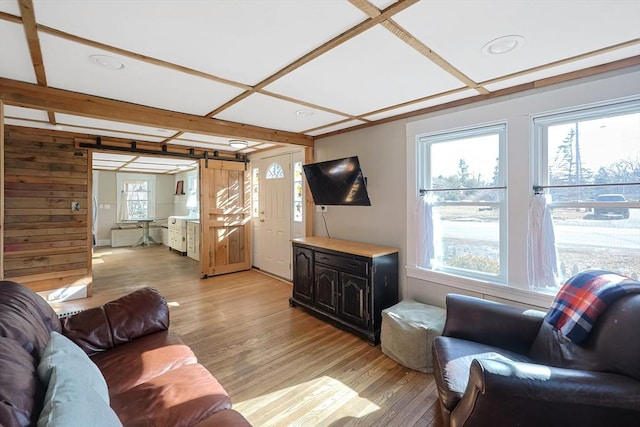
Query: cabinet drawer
[(343, 263)]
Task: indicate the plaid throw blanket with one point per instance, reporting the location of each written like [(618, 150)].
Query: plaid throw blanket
[(583, 297)]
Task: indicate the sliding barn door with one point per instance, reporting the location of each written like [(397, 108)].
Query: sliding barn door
[(225, 217)]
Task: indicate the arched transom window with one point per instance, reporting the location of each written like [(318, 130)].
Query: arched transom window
[(275, 171)]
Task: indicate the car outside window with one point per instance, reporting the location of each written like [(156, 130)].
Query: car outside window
[(589, 168)]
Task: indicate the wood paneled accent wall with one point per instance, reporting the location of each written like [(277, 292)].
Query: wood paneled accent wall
[(1, 187), (47, 243)]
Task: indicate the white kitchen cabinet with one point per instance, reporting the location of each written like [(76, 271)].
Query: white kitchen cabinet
[(178, 233), (165, 235), (193, 239)]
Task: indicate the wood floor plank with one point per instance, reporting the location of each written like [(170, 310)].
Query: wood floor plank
[(280, 365)]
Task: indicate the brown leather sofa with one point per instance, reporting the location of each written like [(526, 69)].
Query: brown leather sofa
[(153, 378), (498, 365)]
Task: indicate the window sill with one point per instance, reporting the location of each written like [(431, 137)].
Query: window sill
[(523, 296)]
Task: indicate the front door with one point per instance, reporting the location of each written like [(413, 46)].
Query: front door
[(275, 216), (225, 218)]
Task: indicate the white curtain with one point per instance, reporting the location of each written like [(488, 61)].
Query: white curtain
[(542, 258), (123, 213), (426, 232)]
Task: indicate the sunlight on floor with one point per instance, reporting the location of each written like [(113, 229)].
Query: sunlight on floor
[(320, 396), (101, 254)]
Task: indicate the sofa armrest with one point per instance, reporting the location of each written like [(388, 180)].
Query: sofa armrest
[(510, 393), (137, 314), (491, 323)]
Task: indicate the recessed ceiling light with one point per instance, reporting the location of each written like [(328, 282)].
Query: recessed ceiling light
[(108, 62), (503, 45), (237, 143), (305, 112)]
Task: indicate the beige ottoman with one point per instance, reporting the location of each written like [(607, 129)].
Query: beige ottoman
[(407, 330)]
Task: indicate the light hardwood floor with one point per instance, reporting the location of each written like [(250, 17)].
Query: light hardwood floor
[(280, 365)]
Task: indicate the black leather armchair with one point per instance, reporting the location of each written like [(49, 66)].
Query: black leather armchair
[(499, 365)]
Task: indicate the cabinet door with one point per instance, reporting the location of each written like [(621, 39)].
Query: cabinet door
[(354, 304), (326, 287), (303, 274)]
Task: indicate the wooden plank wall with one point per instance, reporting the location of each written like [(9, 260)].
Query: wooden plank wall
[(47, 245), (1, 187)]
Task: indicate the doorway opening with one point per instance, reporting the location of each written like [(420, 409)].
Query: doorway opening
[(133, 198)]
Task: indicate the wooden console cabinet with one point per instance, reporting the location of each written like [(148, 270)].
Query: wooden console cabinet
[(345, 283)]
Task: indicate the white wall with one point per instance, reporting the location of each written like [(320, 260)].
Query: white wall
[(381, 151), (107, 198), (387, 155), (179, 202)]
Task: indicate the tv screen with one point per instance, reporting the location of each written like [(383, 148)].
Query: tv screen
[(337, 182)]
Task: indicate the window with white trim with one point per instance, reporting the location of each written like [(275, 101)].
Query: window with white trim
[(462, 180), (587, 162), (255, 193), (192, 193), (136, 196), (297, 192)]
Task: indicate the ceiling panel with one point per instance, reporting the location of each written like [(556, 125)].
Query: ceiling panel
[(69, 67), (242, 40), (10, 6), (150, 166), (169, 161), (25, 113), (210, 142), (382, 4), (566, 68), (270, 112), (80, 129), (424, 104), (143, 131), (333, 128), (114, 157), (376, 69), (552, 30), (142, 170), (213, 139), (204, 145), (16, 63)]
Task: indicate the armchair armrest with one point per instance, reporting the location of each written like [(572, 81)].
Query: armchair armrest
[(525, 394), (491, 323), (137, 314)]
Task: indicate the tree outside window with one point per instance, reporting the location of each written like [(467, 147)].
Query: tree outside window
[(589, 165), (137, 199), (460, 173)]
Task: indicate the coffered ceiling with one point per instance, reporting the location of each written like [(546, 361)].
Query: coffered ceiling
[(271, 72)]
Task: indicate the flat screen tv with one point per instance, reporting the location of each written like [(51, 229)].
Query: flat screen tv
[(337, 182)]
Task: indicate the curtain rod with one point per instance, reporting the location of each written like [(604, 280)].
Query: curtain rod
[(423, 191), (537, 189)]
